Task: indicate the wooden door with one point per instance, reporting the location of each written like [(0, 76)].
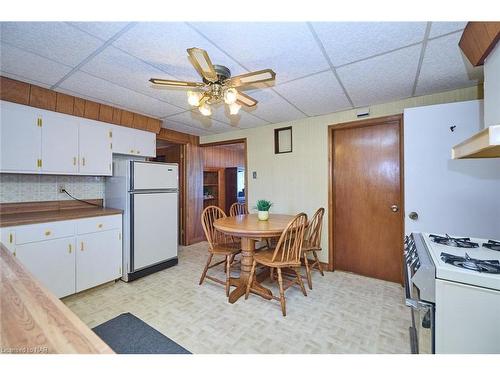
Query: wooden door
[(59, 144), (20, 138), (98, 258), (94, 148), (52, 262), (367, 199)]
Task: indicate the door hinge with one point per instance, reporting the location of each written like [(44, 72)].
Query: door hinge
[(10, 237), (111, 145), (39, 163), (110, 134), (39, 122), (69, 248)]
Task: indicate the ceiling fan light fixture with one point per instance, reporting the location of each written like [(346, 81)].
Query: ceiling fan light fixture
[(234, 108), (205, 109), (194, 98), (230, 96)]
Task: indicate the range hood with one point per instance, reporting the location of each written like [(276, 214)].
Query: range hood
[(486, 143)]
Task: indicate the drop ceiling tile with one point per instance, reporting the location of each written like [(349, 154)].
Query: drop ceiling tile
[(272, 107), (180, 127), (164, 45), (440, 28), (444, 67), (54, 40), (316, 95), (243, 119), (346, 42), (101, 30), (383, 78), (286, 47), (196, 120), (126, 70), (85, 84), (28, 65)]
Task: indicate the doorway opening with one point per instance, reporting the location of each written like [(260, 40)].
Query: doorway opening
[(170, 152), (365, 197), (225, 173)]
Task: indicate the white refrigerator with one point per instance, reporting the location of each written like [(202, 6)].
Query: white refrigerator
[(147, 192)]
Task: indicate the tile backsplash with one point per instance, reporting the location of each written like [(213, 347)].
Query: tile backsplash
[(32, 188)]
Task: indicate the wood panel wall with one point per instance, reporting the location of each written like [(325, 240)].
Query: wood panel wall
[(40, 97), (223, 156), (194, 193)]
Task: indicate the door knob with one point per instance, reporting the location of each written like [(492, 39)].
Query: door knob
[(413, 215), (394, 208)]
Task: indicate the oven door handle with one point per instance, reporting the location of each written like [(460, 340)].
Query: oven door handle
[(409, 301)]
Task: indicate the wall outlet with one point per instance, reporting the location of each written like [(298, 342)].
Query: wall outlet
[(60, 189), (254, 175)]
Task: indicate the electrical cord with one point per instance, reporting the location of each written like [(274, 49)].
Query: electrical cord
[(80, 200)]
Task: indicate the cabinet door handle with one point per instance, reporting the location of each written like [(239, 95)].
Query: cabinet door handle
[(99, 226), (138, 152), (69, 248), (81, 246), (48, 232), (131, 151)]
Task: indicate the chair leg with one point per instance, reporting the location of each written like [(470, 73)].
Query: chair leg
[(282, 293), (268, 242), (206, 268), (250, 279), (228, 273), (316, 259), (308, 272), (299, 279), (271, 274)]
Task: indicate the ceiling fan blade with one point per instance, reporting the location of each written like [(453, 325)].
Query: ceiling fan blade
[(201, 62), (265, 75), (172, 83), (244, 99)]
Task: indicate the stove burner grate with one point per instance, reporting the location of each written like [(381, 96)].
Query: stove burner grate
[(463, 242), (492, 245), (479, 265)]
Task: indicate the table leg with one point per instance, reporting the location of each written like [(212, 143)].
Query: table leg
[(247, 251)]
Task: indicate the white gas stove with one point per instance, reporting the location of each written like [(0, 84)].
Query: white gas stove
[(453, 287), (482, 274)]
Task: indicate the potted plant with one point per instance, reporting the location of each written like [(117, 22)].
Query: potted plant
[(263, 207)]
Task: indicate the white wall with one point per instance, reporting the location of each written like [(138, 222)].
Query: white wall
[(298, 181), (492, 87)]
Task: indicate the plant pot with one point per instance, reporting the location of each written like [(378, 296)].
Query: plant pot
[(263, 215)]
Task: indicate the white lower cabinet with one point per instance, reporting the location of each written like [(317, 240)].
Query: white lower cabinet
[(98, 259), (69, 256), (52, 262)]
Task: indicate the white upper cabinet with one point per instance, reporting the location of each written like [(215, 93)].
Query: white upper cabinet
[(145, 143), (59, 144), (129, 141), (94, 148), (20, 138), (37, 141)]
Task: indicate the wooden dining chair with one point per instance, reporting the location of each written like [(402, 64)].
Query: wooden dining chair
[(218, 244), (238, 209), (312, 244), (286, 255)]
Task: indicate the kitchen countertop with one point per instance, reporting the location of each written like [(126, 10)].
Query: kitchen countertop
[(23, 218), (34, 321)]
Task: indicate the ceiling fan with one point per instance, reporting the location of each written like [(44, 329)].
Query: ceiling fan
[(217, 85)]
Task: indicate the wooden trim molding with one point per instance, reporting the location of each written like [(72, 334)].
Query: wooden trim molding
[(478, 40), (25, 93)]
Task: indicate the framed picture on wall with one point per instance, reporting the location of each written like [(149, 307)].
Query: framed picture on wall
[(283, 140)]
